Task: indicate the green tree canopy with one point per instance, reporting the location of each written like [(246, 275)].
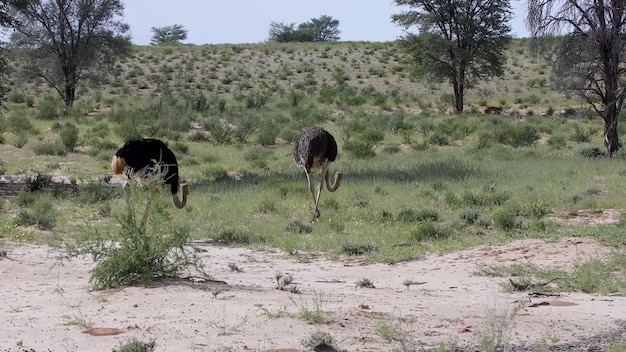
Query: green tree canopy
[(168, 35), (281, 32), (325, 28), (322, 29), (66, 41), (462, 42)]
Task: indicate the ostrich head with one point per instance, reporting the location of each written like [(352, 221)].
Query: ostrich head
[(118, 165)]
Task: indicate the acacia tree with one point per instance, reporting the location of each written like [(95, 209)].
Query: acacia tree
[(590, 59), (7, 21), (462, 42), (325, 28), (281, 32), (168, 35), (66, 41)]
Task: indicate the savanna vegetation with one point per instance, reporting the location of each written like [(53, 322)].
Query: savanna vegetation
[(417, 177)]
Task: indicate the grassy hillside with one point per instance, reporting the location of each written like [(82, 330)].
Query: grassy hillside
[(377, 74)]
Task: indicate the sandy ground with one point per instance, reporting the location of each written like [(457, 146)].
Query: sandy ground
[(46, 304)]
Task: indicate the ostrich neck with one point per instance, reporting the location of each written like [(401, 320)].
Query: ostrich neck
[(336, 183)]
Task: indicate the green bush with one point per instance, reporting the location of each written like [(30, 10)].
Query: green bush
[(95, 192), (267, 134), (593, 152), (40, 214), (135, 345), (297, 226), (484, 198), (410, 215), (237, 237), (288, 135), (372, 135), (319, 338), (102, 146), (16, 97), (438, 139), (427, 231), (30, 101), (47, 110), (360, 149), (246, 125), (470, 216), (516, 134), (198, 136), (557, 141), (21, 140), (220, 134), (48, 148), (391, 149), (144, 250), (25, 198), (504, 218), (17, 123), (127, 130), (258, 157), (536, 209), (485, 139), (358, 248), (179, 147), (69, 136), (215, 173), (581, 135), (267, 206)]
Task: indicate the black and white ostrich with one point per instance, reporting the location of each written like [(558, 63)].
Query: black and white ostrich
[(315, 148), (143, 158)]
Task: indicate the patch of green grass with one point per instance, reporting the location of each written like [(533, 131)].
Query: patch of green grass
[(390, 332), (280, 313), (135, 345), (318, 314), (591, 276), (41, 213), (318, 338)]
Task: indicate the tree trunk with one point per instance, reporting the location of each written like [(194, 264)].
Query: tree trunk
[(611, 137), (70, 86), (70, 94), (611, 107), (459, 87), (458, 99)]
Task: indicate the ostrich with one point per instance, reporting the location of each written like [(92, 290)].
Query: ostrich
[(143, 158), (315, 148)]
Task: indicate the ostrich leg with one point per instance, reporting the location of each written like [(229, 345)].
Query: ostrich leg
[(319, 190), (312, 190)]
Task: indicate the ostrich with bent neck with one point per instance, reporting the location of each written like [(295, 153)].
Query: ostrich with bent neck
[(315, 148), (143, 158)]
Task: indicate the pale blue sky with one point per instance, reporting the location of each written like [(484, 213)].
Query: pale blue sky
[(247, 21)]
